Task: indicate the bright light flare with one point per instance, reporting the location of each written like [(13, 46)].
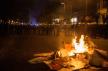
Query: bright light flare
[(74, 20), (76, 47), (80, 47)]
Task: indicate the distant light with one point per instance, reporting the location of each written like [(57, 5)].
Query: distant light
[(62, 3), (12, 21), (34, 24), (33, 21), (57, 20), (74, 20), (22, 23)]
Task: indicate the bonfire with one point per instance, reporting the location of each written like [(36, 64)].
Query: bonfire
[(73, 56), (76, 54)]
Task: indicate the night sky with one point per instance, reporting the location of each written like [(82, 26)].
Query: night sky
[(22, 8), (18, 8)]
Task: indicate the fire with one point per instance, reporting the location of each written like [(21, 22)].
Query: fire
[(76, 47), (80, 47), (75, 55), (78, 52)]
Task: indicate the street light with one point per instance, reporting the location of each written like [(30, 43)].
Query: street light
[(64, 8)]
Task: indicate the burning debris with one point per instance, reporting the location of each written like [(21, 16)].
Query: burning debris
[(77, 55)]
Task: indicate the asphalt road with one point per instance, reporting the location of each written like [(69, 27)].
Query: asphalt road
[(16, 50)]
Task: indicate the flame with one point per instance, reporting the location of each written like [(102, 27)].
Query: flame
[(75, 51), (76, 47), (80, 47)]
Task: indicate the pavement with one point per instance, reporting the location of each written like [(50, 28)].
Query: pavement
[(16, 50)]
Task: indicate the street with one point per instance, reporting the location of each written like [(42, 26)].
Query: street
[(16, 50)]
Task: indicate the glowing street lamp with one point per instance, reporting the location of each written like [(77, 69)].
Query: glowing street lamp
[(63, 3)]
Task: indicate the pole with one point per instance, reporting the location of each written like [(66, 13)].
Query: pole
[(64, 9), (100, 20)]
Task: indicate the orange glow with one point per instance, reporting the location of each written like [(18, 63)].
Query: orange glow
[(76, 47), (80, 47), (76, 51)]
